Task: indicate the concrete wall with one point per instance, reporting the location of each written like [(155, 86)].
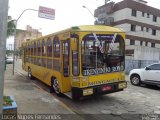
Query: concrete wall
[(126, 14), (145, 53), (134, 64)]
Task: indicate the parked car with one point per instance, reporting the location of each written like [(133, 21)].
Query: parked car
[(9, 60), (148, 75)]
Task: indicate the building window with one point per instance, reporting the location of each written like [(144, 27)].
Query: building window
[(142, 28), (153, 32), (147, 29), (146, 44), (143, 14), (134, 13), (153, 45), (132, 42), (133, 27), (147, 15), (141, 43), (154, 18)]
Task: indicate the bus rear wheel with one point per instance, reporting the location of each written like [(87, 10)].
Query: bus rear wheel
[(30, 76), (55, 86)]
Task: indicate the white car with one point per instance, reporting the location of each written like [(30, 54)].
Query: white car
[(9, 60), (148, 75)]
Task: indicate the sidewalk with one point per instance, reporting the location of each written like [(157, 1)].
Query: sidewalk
[(30, 99)]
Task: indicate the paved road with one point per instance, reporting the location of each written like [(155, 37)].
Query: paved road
[(128, 104)]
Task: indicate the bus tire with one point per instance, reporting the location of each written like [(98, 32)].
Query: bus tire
[(55, 86), (51, 89), (30, 76)]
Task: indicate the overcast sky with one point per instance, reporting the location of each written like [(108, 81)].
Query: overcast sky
[(67, 13)]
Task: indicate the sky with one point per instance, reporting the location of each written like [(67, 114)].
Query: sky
[(67, 13)]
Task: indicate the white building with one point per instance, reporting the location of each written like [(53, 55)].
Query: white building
[(141, 24)]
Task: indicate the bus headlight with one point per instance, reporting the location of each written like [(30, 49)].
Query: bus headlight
[(84, 79), (76, 79), (88, 91)]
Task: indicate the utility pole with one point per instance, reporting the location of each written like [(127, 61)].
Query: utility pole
[(15, 31), (96, 20), (3, 35)]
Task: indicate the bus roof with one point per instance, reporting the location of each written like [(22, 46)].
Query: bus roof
[(96, 28), (87, 28), (90, 28)]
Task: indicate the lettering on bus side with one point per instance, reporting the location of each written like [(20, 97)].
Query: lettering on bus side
[(102, 70), (102, 82)]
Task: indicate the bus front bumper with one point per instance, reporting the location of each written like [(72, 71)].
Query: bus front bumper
[(99, 89)]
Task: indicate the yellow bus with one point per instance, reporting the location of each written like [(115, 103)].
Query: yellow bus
[(80, 61)]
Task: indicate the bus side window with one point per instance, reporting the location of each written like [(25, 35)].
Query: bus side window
[(35, 51), (49, 48), (75, 60), (38, 49), (56, 52), (35, 48), (43, 48), (56, 49), (65, 50), (32, 48)]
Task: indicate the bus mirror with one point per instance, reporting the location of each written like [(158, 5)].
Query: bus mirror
[(74, 44)]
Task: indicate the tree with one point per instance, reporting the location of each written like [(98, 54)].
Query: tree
[(11, 26)]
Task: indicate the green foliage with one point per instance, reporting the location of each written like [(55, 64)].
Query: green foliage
[(11, 26), (7, 101)]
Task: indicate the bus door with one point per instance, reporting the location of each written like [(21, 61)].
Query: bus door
[(65, 66)]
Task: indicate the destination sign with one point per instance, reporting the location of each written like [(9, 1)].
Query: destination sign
[(102, 70)]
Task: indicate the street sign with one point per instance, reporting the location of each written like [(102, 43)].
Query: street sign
[(47, 13)]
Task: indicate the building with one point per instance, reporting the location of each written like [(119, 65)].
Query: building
[(24, 35), (141, 24)]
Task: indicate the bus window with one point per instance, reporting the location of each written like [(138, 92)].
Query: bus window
[(65, 50), (49, 48), (39, 61), (49, 63), (43, 62), (43, 48), (38, 49), (56, 65), (56, 49), (35, 48), (28, 49), (75, 62), (32, 47), (108, 54), (35, 60), (26, 53), (32, 59)]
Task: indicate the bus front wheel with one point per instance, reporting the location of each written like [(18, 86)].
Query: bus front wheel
[(55, 86)]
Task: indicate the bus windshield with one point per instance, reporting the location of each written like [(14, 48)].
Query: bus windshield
[(102, 53)]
